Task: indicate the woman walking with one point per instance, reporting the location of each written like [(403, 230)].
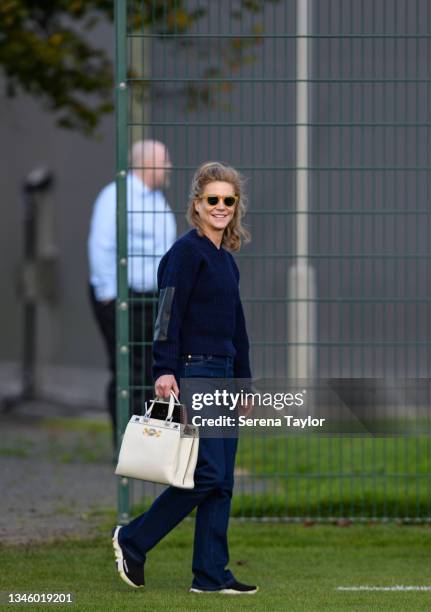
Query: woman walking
[(200, 332)]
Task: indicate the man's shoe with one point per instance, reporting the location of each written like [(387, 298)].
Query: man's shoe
[(236, 588), (130, 571)]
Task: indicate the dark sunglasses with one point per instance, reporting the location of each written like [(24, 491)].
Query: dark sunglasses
[(212, 200)]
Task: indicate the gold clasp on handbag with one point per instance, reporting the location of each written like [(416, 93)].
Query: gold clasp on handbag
[(151, 431)]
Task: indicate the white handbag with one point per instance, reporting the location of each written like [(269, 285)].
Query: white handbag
[(159, 450)]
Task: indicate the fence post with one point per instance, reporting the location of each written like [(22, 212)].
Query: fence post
[(301, 277), (122, 317)]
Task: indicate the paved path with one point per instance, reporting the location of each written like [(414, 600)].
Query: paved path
[(55, 472)]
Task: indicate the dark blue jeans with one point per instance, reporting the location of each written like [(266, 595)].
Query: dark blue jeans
[(212, 495)]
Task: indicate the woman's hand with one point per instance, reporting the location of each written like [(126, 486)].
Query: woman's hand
[(245, 409), (165, 384)]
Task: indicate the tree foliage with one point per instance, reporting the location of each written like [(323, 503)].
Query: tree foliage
[(46, 50)]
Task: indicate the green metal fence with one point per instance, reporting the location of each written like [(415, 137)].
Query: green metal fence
[(325, 105)]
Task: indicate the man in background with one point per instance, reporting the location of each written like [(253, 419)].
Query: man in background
[(151, 231)]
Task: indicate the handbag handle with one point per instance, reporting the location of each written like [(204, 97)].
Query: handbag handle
[(172, 399)]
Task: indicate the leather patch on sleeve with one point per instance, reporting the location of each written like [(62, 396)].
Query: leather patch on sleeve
[(161, 326)]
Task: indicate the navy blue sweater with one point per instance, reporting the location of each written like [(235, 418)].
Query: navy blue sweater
[(200, 309)]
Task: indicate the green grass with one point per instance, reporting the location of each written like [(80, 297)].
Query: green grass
[(293, 476), (334, 477), (68, 440), (297, 568)]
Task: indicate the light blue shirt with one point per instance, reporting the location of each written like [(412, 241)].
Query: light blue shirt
[(151, 230)]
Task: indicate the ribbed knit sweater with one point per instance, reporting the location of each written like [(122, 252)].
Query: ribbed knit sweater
[(200, 310)]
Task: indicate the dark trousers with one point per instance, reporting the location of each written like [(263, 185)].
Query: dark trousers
[(212, 495), (141, 325)]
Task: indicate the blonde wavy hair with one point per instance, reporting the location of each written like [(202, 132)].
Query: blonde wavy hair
[(235, 234)]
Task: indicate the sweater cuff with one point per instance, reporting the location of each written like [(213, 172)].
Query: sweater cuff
[(157, 372), (244, 383)]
